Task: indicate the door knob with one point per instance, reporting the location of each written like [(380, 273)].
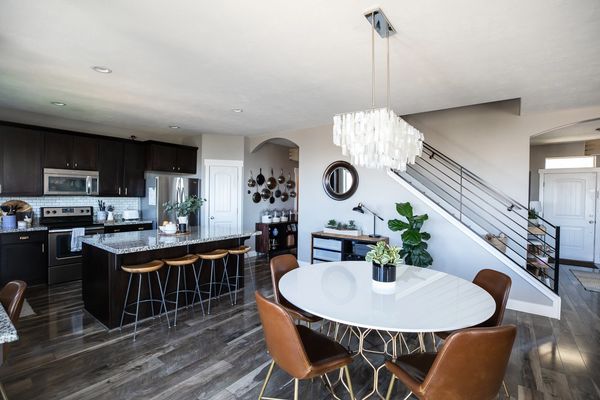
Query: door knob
[(212, 217), (592, 222)]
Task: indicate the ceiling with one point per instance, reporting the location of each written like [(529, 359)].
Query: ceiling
[(288, 65), (586, 130)]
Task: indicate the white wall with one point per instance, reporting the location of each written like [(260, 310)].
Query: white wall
[(537, 160)]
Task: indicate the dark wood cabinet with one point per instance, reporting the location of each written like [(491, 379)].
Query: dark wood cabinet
[(277, 237), (127, 228), (186, 160), (20, 161), (327, 247), (85, 153), (68, 151), (166, 157), (134, 165), (110, 167), (23, 256)]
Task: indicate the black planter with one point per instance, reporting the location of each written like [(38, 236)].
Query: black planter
[(384, 273)]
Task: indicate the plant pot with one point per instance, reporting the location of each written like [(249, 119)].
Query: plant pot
[(111, 216), (9, 222), (101, 216), (183, 220), (384, 273)]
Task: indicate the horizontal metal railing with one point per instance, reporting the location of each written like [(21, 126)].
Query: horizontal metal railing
[(489, 212)]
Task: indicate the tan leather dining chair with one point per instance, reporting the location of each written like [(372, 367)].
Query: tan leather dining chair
[(280, 266), (471, 365), (297, 349), (12, 297)]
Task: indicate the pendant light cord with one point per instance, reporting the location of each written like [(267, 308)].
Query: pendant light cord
[(373, 60)]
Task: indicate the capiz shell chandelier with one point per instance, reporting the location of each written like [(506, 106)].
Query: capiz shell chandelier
[(377, 138)]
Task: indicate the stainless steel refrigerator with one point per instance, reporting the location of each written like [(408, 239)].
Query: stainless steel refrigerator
[(168, 188)]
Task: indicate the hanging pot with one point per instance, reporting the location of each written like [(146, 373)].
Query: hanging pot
[(277, 192), (284, 196), (281, 178), (292, 194), (265, 194), (260, 178), (251, 181), (256, 196), (290, 184), (271, 182), (272, 199)]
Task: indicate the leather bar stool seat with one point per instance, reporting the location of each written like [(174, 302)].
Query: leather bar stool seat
[(213, 256), (140, 270), (182, 264), (238, 252), (280, 266)]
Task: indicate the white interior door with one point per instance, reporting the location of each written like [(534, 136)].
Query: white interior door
[(569, 201), (224, 198)]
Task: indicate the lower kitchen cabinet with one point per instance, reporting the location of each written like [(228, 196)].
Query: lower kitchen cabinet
[(23, 257)]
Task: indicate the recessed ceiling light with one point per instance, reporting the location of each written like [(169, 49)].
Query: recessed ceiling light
[(58, 103), (102, 70), (174, 126), (237, 110)]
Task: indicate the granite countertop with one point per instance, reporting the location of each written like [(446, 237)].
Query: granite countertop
[(8, 333), (139, 241), (30, 229)]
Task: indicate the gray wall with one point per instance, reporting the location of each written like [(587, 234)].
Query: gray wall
[(266, 157), (537, 159)]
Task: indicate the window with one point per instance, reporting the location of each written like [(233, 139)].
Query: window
[(570, 162)]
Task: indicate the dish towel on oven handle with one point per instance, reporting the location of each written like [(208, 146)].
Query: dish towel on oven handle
[(76, 235)]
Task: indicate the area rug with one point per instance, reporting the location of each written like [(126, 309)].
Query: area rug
[(589, 280), (26, 310)]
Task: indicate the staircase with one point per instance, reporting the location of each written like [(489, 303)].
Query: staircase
[(491, 218)]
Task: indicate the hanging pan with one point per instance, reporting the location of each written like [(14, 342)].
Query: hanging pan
[(260, 178), (265, 194), (271, 181), (256, 196), (281, 178), (251, 181)]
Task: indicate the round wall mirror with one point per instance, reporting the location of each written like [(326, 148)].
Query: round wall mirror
[(340, 180)]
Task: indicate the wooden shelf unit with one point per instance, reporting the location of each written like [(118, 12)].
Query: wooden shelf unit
[(326, 247), (277, 237)]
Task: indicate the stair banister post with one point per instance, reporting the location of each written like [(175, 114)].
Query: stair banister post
[(556, 257)]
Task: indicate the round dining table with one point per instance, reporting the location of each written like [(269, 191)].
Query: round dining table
[(420, 301)]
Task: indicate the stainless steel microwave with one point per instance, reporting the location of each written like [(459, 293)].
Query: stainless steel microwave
[(70, 182)]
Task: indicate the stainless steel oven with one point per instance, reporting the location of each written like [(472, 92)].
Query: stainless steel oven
[(63, 264), (70, 182)]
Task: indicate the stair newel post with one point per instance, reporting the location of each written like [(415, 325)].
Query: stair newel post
[(556, 257)]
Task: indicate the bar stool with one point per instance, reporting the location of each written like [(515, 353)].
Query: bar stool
[(237, 251), (141, 269), (212, 256), (180, 263)]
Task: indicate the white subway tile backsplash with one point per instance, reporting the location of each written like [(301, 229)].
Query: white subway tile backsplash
[(120, 203)]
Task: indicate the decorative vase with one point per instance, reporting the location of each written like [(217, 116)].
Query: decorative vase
[(111, 216), (9, 222), (183, 219), (101, 216), (384, 273)]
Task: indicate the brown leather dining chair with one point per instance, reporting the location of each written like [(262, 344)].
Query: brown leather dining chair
[(471, 365), (297, 349), (12, 297), (280, 266)]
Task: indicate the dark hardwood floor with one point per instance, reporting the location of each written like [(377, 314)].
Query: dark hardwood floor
[(63, 353)]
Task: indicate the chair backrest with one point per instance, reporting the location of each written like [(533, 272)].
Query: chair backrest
[(471, 365), (280, 266), (12, 297), (282, 338), (498, 286)]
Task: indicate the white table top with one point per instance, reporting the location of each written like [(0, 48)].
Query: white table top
[(424, 300)]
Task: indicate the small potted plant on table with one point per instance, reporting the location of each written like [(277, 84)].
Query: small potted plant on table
[(384, 259), (183, 210)]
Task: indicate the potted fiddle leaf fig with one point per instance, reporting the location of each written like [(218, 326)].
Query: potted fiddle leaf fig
[(414, 242), (384, 259)]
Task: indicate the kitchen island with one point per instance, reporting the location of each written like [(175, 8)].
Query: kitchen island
[(104, 284)]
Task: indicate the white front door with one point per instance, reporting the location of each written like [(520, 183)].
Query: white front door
[(569, 201), (224, 198)]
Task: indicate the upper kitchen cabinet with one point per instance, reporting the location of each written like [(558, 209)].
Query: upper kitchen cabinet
[(170, 158), (20, 161), (134, 164), (67, 151), (121, 168)]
